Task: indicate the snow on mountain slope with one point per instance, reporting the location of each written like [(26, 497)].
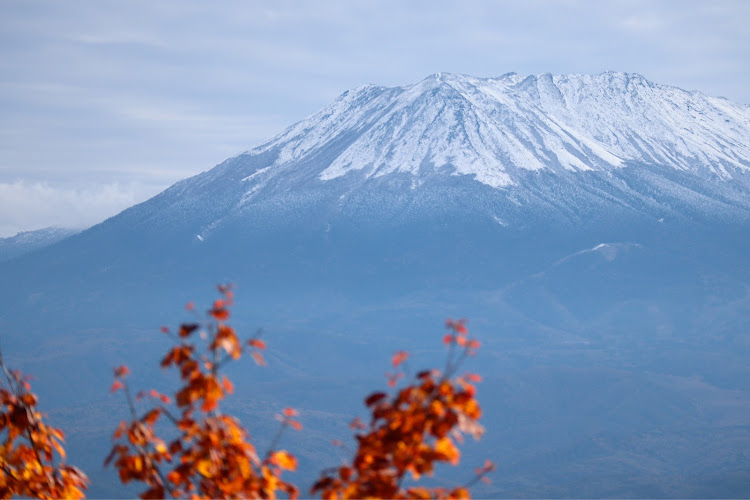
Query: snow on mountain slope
[(514, 150), (493, 128)]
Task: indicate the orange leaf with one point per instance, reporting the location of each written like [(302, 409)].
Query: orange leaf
[(209, 405), (448, 450), (284, 460), (258, 358), (290, 412), (227, 384), (473, 377), (399, 357), (120, 429), (257, 343), (205, 468), (295, 425), (116, 386), (59, 449)]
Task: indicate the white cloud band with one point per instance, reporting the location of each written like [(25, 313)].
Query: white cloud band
[(25, 206)]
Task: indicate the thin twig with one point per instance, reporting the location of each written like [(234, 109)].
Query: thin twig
[(141, 448), (276, 440)]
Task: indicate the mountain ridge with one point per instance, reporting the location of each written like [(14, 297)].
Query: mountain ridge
[(555, 103)]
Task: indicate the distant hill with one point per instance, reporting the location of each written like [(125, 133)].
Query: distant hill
[(28, 241)]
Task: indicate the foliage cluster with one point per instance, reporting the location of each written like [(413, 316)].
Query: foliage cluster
[(28, 465), (209, 454)]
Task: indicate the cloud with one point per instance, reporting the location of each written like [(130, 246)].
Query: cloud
[(27, 206)]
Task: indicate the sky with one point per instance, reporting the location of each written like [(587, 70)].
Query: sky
[(103, 104)]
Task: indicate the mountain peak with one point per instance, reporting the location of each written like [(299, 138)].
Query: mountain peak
[(563, 142), (489, 128)]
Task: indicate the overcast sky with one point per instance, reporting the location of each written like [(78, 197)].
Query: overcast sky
[(105, 103)]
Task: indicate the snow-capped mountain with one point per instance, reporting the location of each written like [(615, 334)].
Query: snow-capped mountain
[(493, 128), (511, 149), (483, 156)]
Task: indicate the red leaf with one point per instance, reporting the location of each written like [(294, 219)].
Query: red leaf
[(460, 327), (290, 412), (121, 371), (190, 306), (374, 398), (116, 386), (164, 329), (220, 314), (187, 328), (448, 338)]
